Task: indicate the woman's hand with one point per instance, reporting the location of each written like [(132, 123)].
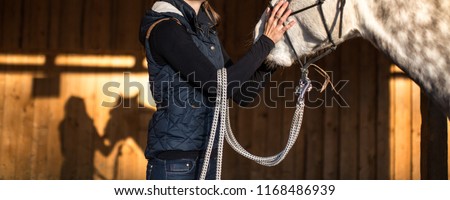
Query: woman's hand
[(275, 27)]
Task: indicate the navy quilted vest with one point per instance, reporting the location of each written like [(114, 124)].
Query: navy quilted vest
[(183, 118)]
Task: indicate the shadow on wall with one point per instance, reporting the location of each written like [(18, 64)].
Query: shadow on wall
[(80, 139)]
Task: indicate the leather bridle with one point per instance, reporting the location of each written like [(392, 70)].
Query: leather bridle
[(305, 83), (333, 45)]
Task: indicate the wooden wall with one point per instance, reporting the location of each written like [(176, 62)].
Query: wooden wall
[(54, 123)]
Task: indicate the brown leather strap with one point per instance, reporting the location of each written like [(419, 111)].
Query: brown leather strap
[(156, 23)]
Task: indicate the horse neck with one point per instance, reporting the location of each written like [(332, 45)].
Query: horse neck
[(414, 34)]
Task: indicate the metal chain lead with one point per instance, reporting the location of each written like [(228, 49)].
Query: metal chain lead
[(213, 128), (225, 131)]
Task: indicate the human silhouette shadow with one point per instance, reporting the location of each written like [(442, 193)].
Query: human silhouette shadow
[(128, 119), (80, 139)]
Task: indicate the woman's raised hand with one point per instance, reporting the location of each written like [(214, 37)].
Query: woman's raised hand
[(275, 25)]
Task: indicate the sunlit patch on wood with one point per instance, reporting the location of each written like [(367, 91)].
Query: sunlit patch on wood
[(22, 59), (126, 61)]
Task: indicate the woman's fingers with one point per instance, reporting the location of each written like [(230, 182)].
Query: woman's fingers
[(275, 10), (278, 11), (285, 16), (289, 25), (275, 26), (281, 10)]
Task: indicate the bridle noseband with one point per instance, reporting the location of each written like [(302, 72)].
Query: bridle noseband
[(333, 46), (305, 82)]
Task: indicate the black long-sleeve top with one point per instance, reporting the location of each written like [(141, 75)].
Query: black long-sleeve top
[(171, 44)]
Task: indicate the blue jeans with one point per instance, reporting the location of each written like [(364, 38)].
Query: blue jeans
[(180, 169)]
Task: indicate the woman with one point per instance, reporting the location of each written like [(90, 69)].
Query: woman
[(184, 53)]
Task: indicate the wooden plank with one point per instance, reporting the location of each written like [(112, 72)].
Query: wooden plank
[(11, 126), (70, 39), (124, 23), (14, 98), (274, 137), (55, 7), (314, 129), (36, 26), (71, 25), (392, 124), (434, 147), (331, 120), (287, 103), (42, 118), (2, 85), (35, 32), (244, 134), (56, 107), (98, 36), (54, 154), (3, 134), (415, 132), (367, 107), (97, 25), (349, 117), (383, 118), (402, 128), (2, 7), (231, 29), (12, 21), (257, 140)]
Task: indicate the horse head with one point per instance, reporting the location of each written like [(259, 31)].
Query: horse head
[(310, 35)]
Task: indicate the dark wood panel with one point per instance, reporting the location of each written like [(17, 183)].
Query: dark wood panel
[(3, 133), (434, 164), (35, 24), (71, 25), (287, 87), (12, 25), (36, 115), (313, 120), (2, 85), (125, 22), (367, 118), (97, 24), (54, 8), (350, 116), (274, 136), (257, 139), (331, 121), (383, 116), (2, 7)]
